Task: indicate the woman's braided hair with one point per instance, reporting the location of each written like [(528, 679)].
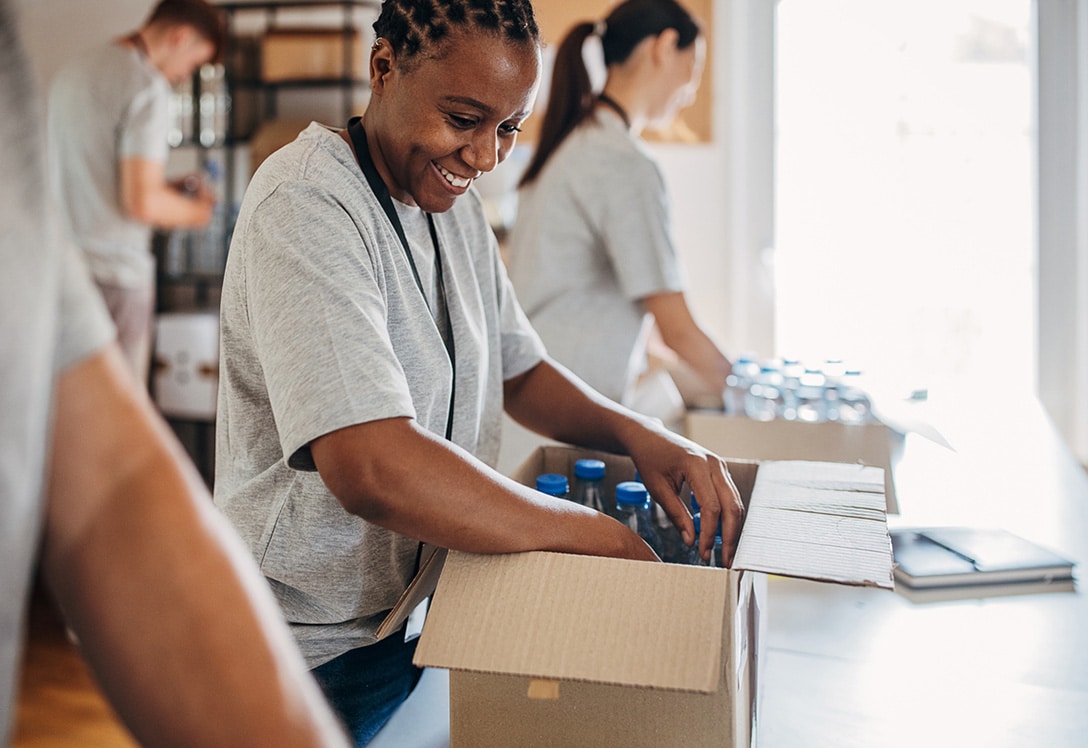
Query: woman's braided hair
[(419, 27)]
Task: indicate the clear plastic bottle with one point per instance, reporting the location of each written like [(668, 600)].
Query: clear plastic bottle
[(810, 397), (791, 383), (745, 370), (588, 476), (553, 484), (633, 510), (213, 107), (764, 401), (673, 549), (833, 370), (209, 253), (694, 558), (854, 404), (716, 559), (181, 113)]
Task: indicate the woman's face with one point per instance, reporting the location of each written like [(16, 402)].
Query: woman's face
[(683, 73), (443, 122)]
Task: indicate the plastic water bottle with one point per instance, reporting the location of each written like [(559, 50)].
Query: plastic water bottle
[(764, 401), (791, 383), (209, 251), (716, 559), (553, 484), (745, 370), (213, 106), (693, 552), (833, 370), (633, 510), (854, 404), (181, 113), (810, 397), (588, 476), (673, 549)]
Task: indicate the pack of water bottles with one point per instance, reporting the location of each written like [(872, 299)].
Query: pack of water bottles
[(786, 409), (619, 493), (792, 390)]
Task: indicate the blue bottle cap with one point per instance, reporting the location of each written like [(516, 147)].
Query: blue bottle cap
[(589, 469), (631, 493), (552, 484)]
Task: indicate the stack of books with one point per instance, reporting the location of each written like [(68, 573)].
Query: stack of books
[(949, 563)]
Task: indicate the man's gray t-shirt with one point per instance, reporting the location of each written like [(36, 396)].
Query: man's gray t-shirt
[(53, 317), (105, 106), (591, 240), (323, 327)]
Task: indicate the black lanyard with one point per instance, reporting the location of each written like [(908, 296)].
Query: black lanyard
[(608, 101), (378, 187)]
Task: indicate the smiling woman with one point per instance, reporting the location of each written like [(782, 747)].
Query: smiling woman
[(371, 341), (435, 131)]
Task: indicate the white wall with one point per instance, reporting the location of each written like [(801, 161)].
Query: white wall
[(54, 30), (1063, 220), (722, 192)]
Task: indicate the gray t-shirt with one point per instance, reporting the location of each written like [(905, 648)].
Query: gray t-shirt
[(323, 327), (105, 106), (52, 317), (591, 240)]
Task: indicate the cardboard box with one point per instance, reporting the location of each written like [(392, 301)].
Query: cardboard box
[(308, 54), (744, 438), (548, 649)]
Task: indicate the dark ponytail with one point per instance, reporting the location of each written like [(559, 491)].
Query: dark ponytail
[(571, 98)]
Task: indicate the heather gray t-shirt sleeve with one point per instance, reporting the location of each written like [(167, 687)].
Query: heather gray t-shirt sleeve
[(324, 347), (635, 229), (144, 128)]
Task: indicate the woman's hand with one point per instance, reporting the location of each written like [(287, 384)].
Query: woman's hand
[(550, 400), (665, 461)]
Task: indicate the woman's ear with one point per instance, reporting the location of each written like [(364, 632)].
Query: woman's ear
[(381, 65), (665, 45)]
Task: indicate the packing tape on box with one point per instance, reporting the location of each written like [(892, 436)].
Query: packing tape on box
[(545, 690)]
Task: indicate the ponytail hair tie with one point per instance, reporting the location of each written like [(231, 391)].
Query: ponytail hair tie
[(600, 27)]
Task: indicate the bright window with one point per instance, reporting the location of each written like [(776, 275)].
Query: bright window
[(904, 188)]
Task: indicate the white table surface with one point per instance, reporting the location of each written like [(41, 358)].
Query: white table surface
[(864, 667)]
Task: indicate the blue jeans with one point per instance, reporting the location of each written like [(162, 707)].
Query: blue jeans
[(366, 685)]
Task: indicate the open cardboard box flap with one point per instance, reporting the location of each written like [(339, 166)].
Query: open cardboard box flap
[(817, 520)]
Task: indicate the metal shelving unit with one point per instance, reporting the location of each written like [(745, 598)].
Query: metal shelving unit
[(191, 277)]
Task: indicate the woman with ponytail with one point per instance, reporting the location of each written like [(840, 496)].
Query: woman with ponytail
[(591, 255)]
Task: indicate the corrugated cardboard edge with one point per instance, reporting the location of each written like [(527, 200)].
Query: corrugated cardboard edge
[(824, 521), (432, 559), (580, 618)]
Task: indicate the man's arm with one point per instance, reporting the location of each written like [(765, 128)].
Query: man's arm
[(170, 610), (148, 198), (552, 401)]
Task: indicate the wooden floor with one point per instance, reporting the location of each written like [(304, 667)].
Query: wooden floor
[(59, 703)]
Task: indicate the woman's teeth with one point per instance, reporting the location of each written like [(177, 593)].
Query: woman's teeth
[(453, 179)]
